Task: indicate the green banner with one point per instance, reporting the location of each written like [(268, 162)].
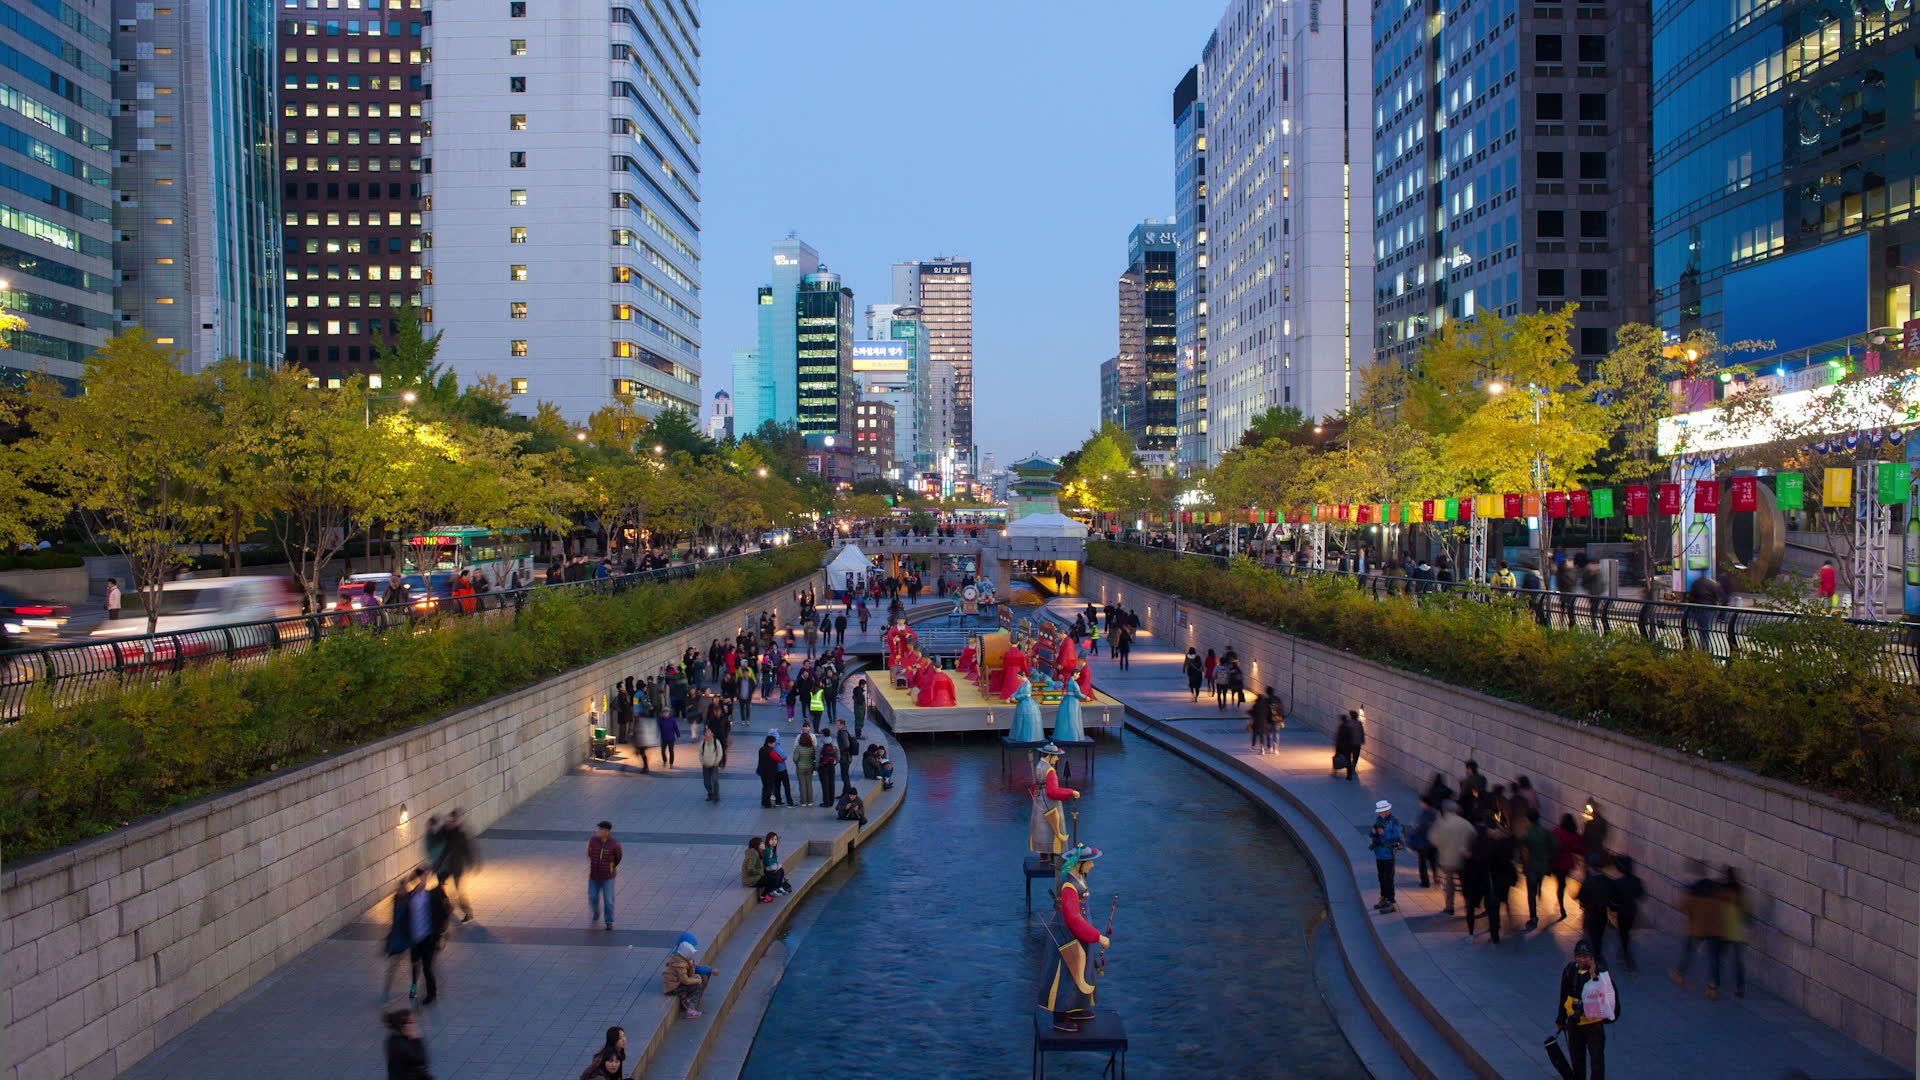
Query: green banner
[(1896, 478), (1603, 502), (1790, 491), (1451, 511)]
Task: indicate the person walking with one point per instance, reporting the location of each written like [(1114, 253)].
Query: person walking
[(1450, 836), (1597, 899), (1537, 851), (603, 864), (1569, 851), (1420, 841), (864, 615), (1733, 934), (710, 760), (840, 628), (420, 919), (1584, 1015), (406, 1050), (849, 748), (1628, 891), (1123, 647), (667, 729), (749, 680), (456, 859), (1236, 685), (1501, 875), (811, 631), (1384, 841), (1596, 831), (719, 720), (860, 710), (768, 770), (1475, 879), (1192, 667), (113, 599), (1346, 746), (1258, 719)]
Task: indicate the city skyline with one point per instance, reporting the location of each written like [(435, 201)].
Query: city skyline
[(1044, 255)]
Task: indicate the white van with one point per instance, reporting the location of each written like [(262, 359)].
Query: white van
[(203, 602)]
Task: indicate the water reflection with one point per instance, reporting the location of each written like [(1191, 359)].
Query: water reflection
[(926, 962)]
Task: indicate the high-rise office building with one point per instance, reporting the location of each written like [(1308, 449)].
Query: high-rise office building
[(823, 318), (1113, 408), (351, 170), (1149, 354), (1290, 224), (1510, 168), (1785, 170), (892, 366), (766, 379), (196, 164), (943, 291), (1190, 268), (567, 283), (720, 423), (56, 238)]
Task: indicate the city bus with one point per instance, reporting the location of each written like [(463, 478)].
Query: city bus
[(503, 556)]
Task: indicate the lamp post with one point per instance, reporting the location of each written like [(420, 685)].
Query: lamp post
[(407, 396)]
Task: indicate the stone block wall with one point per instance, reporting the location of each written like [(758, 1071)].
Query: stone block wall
[(1834, 928), (114, 946)]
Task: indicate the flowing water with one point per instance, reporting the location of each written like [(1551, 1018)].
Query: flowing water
[(918, 958)]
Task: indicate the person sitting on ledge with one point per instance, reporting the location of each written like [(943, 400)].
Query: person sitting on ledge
[(852, 807), (684, 979)]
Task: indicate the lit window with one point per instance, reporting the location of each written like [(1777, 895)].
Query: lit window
[(519, 385), (517, 197), (517, 309), (164, 262), (164, 300), (623, 311), (517, 234), (516, 159), (517, 272), (163, 221), (517, 347), (517, 47), (163, 341), (517, 121), (373, 381), (164, 182)]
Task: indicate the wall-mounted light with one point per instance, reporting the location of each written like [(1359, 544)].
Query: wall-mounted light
[(1591, 809), (403, 814)]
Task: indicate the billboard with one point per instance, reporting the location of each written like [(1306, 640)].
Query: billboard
[(881, 355), (1803, 299)]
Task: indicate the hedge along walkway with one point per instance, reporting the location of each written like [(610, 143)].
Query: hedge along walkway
[(1498, 999), (529, 988)]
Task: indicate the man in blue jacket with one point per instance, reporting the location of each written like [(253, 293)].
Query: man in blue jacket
[(1383, 839)]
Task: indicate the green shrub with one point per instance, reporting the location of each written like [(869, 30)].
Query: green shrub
[(72, 771), (41, 560), (1813, 704)]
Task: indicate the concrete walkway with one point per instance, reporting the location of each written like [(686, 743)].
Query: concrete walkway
[(529, 987), (1496, 1000)]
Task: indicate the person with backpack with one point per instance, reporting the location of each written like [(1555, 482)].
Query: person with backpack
[(1346, 746), (1384, 840), (1191, 666)]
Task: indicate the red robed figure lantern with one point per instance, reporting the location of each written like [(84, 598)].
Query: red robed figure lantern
[(1637, 500), (1669, 498), (1746, 494)]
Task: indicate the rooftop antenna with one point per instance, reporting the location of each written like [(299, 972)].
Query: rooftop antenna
[(793, 234)]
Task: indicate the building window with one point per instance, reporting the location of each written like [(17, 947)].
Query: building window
[(1551, 223), (1593, 340), (1551, 282), (1593, 108), (517, 197), (1547, 107), (519, 385), (1546, 48), (517, 9), (164, 300), (516, 234), (1593, 283), (517, 47), (517, 122), (1593, 224), (623, 312), (1593, 49), (1593, 165), (517, 347), (517, 272), (516, 84), (516, 159), (517, 309), (1548, 165)]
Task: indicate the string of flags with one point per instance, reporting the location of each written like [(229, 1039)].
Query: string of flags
[(1740, 494)]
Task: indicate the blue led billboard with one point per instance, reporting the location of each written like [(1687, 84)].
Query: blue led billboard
[(1800, 300)]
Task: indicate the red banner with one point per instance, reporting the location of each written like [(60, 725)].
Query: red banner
[(1746, 494), (1530, 504), (1580, 504), (1466, 508), (1514, 505), (1426, 510), (1365, 514), (1637, 500), (1669, 498), (1556, 504), (1296, 516), (1346, 511), (1706, 497)]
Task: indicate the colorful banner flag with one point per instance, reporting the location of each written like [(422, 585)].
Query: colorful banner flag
[(1346, 511), (1466, 507), (1513, 504), (1449, 509), (1790, 491), (1896, 480), (1489, 506), (1364, 514), (1669, 498), (1580, 503), (1745, 494), (1426, 510), (1530, 504), (1706, 497), (1636, 501), (1556, 504), (1837, 488)]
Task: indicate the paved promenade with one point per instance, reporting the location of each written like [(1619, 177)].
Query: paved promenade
[(529, 987), (1499, 999)]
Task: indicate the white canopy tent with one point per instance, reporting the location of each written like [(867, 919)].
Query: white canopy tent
[(1047, 525), (849, 560)]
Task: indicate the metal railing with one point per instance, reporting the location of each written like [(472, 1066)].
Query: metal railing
[(1725, 632), (70, 671)]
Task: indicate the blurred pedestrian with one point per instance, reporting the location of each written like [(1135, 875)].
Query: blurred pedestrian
[(1501, 874), (1597, 830), (1346, 745), (1450, 835), (1597, 898), (457, 859), (1627, 894), (1419, 841), (1536, 856), (1569, 851), (1701, 904), (406, 1050), (1733, 933), (420, 918), (1192, 668)]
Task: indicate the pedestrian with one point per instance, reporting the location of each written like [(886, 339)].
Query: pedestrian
[(768, 770), (1384, 840), (851, 807), (610, 1062), (113, 599), (1236, 685), (1627, 893), (1450, 836), (847, 748), (1208, 667), (710, 760), (749, 680), (859, 710), (1476, 880), (456, 859), (811, 631), (1192, 667), (1501, 874), (1421, 843), (828, 764), (420, 918), (684, 979), (1569, 851), (805, 755), (1346, 746), (406, 1050), (840, 628), (719, 720), (1258, 718), (1537, 852), (774, 883), (1123, 646), (1587, 1003), (603, 863), (1830, 585), (783, 778), (864, 614), (667, 730), (1276, 719), (1473, 791), (1733, 934), (1597, 899)]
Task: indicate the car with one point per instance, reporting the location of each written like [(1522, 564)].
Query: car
[(198, 603), (29, 622)]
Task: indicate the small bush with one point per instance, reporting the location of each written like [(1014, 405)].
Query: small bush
[(73, 771), (41, 560), (1814, 707)]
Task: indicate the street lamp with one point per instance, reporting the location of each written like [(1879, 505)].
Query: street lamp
[(407, 396)]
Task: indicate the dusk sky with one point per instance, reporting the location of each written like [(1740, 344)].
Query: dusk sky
[(1029, 137)]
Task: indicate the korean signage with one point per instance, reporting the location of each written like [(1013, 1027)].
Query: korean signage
[(881, 355)]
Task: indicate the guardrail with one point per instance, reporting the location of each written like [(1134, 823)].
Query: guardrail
[(70, 671), (1725, 632)]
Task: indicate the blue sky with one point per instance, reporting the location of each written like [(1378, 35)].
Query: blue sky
[(1028, 136)]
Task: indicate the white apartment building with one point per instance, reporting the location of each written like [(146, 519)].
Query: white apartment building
[(1288, 94), (563, 219)]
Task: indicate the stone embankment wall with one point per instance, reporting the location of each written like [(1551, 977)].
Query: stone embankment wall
[(1833, 930), (116, 945)]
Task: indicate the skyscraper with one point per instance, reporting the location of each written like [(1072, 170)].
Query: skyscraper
[(56, 247), (1289, 105), (1113, 408), (1148, 345), (1511, 172), (199, 248), (823, 318), (942, 289), (766, 379), (568, 283), (351, 170), (1190, 268), (892, 366), (1785, 170)]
